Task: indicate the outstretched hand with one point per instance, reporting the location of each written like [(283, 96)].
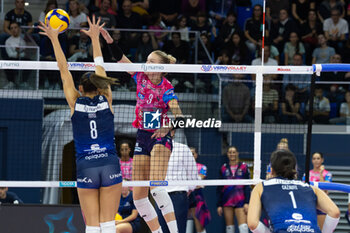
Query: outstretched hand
[(106, 36), (48, 31), (94, 27)]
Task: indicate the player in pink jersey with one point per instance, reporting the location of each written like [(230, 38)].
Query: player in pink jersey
[(198, 207), (155, 96), (125, 160), (315, 176)]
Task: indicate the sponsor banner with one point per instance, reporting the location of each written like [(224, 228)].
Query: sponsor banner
[(166, 68)]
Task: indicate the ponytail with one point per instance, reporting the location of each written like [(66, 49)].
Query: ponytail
[(91, 82)]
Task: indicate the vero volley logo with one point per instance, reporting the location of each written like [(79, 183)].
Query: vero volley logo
[(206, 68)]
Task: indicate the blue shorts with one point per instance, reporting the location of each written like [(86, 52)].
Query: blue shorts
[(144, 142), (106, 172)]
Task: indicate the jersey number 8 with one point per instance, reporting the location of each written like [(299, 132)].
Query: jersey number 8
[(93, 129)]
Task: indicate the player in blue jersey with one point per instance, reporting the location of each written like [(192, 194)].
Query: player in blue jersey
[(98, 171), (289, 204)]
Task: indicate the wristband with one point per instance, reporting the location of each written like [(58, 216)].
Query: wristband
[(99, 61), (116, 51)]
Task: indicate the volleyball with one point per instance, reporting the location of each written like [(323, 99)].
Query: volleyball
[(56, 18)]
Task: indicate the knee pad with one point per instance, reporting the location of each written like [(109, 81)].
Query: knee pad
[(163, 200), (108, 227), (243, 228), (145, 209), (90, 229)]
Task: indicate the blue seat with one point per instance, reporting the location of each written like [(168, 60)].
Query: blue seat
[(334, 110), (243, 13)]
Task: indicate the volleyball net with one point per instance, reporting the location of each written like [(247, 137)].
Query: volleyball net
[(37, 139)]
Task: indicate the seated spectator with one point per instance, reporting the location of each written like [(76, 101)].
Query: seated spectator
[(157, 24), (269, 101), (140, 7), (112, 6), (201, 24), (190, 8), (80, 49), (253, 29), (224, 58), (181, 25), (274, 7), (334, 92), (268, 61), (344, 112), (51, 80), (202, 55), (15, 51), (309, 31), (146, 45), (290, 106), (323, 53), (130, 222), (50, 5), (105, 14), (19, 15), (335, 29), (300, 81), (300, 10), (77, 18), (169, 10), (321, 106), (9, 197), (292, 47), (324, 10), (230, 26), (178, 48), (280, 31), (129, 19), (218, 10), (238, 50), (236, 101)]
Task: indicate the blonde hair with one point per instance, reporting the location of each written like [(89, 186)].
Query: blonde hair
[(91, 82), (165, 58), (283, 144)]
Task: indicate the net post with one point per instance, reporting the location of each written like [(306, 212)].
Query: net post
[(309, 128), (257, 123)]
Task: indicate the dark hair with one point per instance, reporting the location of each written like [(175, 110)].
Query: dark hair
[(230, 147), (50, 2), (14, 22), (193, 148), (297, 48), (125, 141), (283, 162), (91, 82), (317, 153), (290, 87), (298, 54)]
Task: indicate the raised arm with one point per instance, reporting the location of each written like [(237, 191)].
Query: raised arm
[(70, 92), (117, 52), (94, 34)]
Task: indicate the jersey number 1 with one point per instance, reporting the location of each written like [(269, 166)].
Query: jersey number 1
[(93, 129), (293, 199)]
